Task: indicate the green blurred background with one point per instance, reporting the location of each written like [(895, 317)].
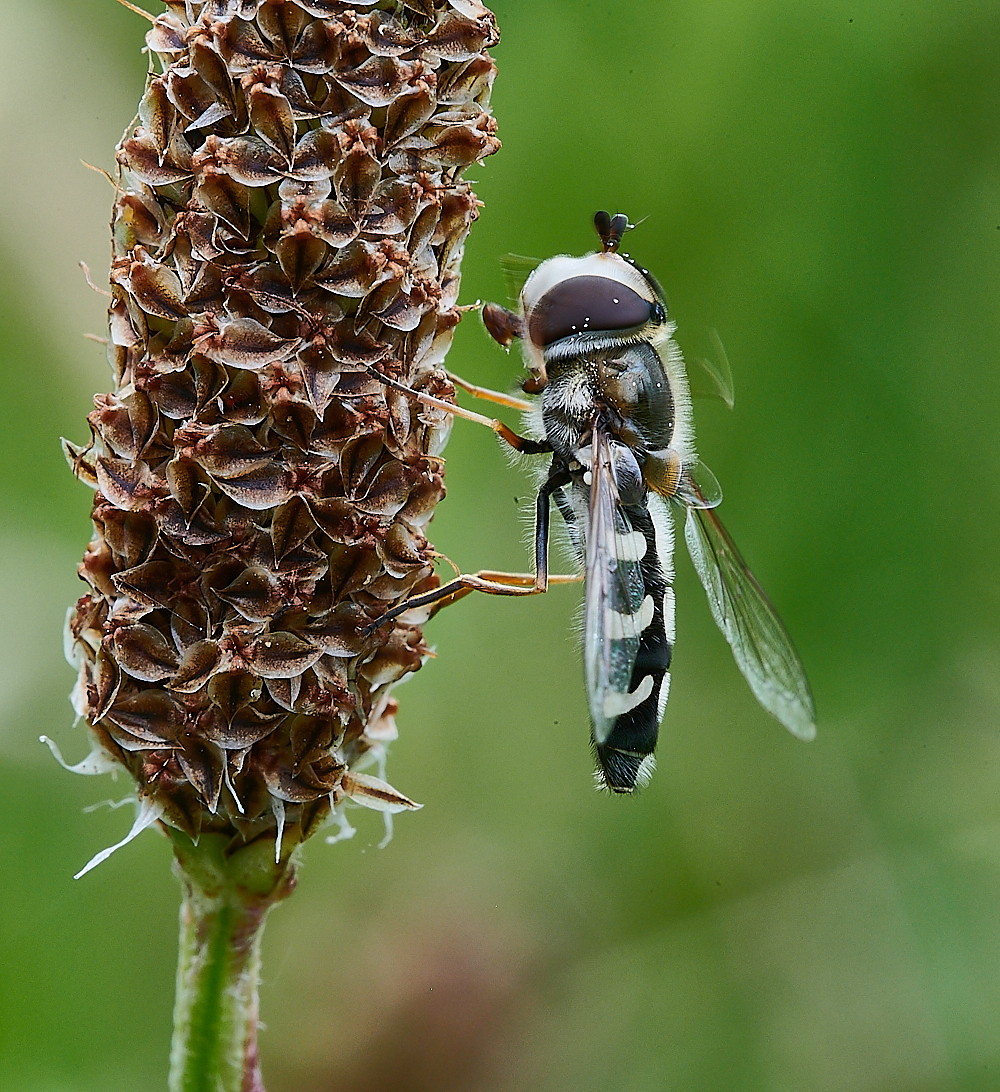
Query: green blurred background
[(822, 185)]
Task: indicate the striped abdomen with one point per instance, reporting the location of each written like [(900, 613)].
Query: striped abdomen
[(625, 754)]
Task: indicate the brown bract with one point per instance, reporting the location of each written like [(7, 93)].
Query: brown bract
[(291, 212)]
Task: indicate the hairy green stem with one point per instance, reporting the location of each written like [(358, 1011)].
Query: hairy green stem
[(227, 897)]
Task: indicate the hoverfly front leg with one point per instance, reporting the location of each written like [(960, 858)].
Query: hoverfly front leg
[(496, 583), (508, 435), (489, 395)]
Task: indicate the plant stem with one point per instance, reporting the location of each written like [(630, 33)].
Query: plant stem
[(227, 897)]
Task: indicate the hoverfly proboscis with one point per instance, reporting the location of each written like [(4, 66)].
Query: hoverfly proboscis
[(613, 409)]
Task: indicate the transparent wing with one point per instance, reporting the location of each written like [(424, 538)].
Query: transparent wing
[(712, 378), (698, 487), (517, 268), (761, 646), (613, 620)]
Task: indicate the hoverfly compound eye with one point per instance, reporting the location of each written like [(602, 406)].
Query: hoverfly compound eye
[(582, 305)]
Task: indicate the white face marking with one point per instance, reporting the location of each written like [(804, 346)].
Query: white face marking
[(630, 547), (669, 619), (616, 704), (621, 626), (661, 701)]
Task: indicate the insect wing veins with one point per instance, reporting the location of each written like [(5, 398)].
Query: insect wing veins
[(759, 641), (613, 620)]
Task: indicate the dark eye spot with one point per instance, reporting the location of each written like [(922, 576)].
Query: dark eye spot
[(587, 303)]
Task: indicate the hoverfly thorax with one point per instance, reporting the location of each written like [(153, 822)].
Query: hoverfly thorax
[(631, 382)]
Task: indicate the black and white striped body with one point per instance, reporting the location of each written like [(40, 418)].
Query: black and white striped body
[(625, 754), (615, 413), (608, 402)]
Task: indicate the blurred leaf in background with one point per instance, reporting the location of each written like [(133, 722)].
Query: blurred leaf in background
[(822, 187)]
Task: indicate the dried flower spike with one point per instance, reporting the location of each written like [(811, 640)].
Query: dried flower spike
[(291, 211)]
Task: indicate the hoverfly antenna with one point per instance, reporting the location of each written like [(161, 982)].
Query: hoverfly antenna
[(611, 229)]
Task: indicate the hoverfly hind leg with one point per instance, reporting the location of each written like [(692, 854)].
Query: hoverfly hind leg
[(494, 583), (486, 580)]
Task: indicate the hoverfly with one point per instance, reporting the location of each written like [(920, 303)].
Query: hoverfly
[(613, 410)]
